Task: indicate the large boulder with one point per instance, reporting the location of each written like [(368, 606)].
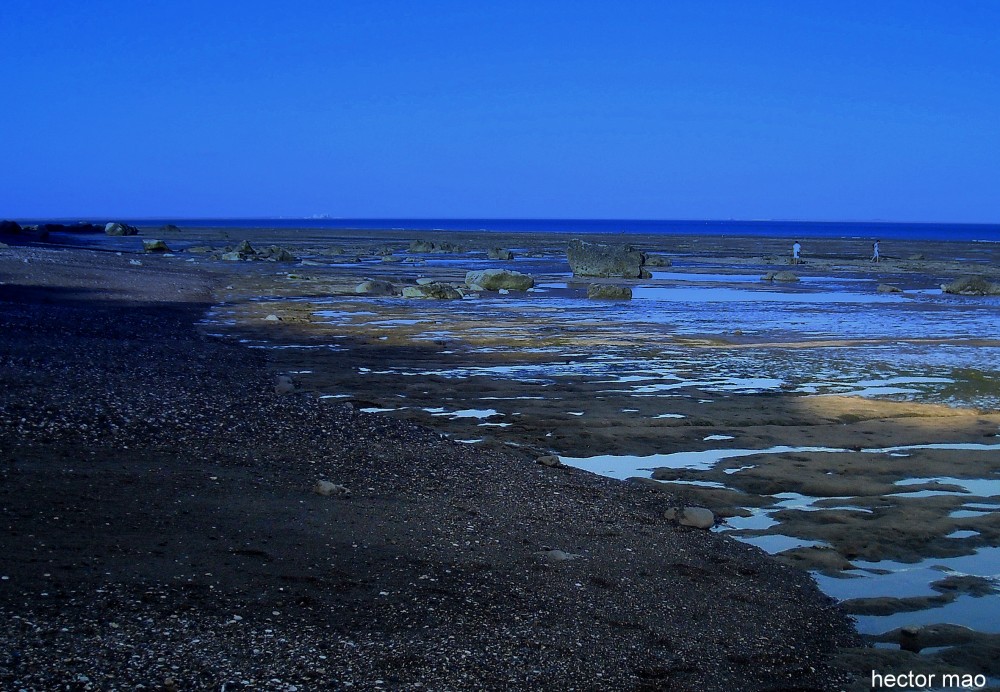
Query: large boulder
[(10, 228), (499, 254), (657, 261), (497, 279), (276, 254), (972, 286), (433, 290), (595, 259), (119, 228), (376, 287), (609, 292), (154, 246)]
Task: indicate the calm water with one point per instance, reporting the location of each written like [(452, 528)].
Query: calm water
[(775, 229)]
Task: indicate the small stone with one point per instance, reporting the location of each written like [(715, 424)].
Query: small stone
[(328, 488), (696, 517), (550, 460), (284, 385)]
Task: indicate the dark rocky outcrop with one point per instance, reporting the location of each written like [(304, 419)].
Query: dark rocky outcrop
[(595, 259), (499, 254), (246, 252), (8, 228), (433, 246)]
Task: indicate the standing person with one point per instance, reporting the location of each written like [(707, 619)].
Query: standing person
[(796, 249), (875, 255)]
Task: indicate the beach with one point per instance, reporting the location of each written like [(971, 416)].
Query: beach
[(167, 417)]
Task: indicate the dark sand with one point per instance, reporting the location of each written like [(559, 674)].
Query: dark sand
[(159, 528)]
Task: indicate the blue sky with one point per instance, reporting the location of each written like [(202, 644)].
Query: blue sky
[(701, 109)]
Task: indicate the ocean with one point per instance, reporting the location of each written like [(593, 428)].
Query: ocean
[(772, 229)]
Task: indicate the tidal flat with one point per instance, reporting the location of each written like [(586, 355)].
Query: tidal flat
[(848, 430)]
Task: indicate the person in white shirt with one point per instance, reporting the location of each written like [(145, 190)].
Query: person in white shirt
[(875, 255), (796, 249)]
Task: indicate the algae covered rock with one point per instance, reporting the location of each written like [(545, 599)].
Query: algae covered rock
[(657, 261), (118, 228), (780, 276), (376, 287), (498, 279), (154, 246), (595, 259), (499, 254), (435, 290), (972, 286), (609, 292)]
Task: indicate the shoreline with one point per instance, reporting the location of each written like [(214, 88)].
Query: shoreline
[(207, 559)]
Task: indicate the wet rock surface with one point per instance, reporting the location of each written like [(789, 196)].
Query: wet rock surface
[(162, 529)]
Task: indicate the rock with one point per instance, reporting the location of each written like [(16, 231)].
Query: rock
[(376, 287), (609, 292), (917, 257), (169, 228), (495, 279), (382, 251), (550, 460), (245, 251), (972, 286), (389, 259), (135, 263), (272, 318), (779, 276), (594, 259), (199, 249), (555, 555), (284, 385), (327, 489), (276, 254), (815, 558), (10, 228), (118, 228), (697, 517), (499, 254), (429, 246), (4, 245), (421, 246), (657, 261), (886, 288), (438, 291), (154, 246)]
